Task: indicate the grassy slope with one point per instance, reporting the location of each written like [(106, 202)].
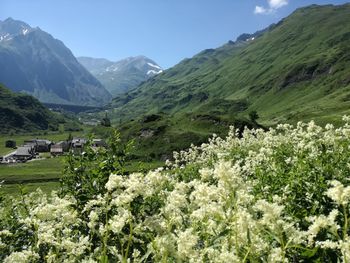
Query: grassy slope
[(298, 70), (173, 129), (156, 139), (23, 113)]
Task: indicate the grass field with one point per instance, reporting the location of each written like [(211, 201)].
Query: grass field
[(41, 173), (14, 189), (45, 173), (33, 170)]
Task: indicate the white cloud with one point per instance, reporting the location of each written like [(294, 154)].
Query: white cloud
[(273, 6), (260, 10)]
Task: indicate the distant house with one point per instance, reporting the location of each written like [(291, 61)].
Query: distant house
[(56, 149), (98, 143), (59, 148), (24, 153), (43, 146), (65, 145), (40, 145), (78, 144), (32, 143)]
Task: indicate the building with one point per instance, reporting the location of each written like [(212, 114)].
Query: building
[(56, 149), (31, 143), (43, 146), (98, 143), (40, 145), (78, 144), (59, 148), (65, 145), (24, 153)]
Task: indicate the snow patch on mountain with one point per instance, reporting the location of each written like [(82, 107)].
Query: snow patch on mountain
[(5, 37), (153, 66), (112, 68), (153, 72)]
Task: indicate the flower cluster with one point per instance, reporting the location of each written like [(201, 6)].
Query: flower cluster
[(263, 196)]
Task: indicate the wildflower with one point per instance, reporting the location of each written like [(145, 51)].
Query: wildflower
[(93, 216), (338, 193), (322, 222), (114, 182), (185, 243), (21, 257), (117, 223), (276, 255)]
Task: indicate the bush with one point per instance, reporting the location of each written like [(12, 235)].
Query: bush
[(275, 196), (85, 174)]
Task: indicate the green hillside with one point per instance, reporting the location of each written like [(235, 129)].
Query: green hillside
[(24, 113), (298, 69)]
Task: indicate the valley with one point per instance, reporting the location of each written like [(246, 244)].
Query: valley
[(238, 153), (286, 72), (206, 94)]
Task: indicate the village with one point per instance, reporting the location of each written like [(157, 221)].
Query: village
[(34, 149)]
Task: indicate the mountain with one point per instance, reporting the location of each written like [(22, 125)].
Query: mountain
[(121, 76), (34, 62), (298, 69), (21, 112)]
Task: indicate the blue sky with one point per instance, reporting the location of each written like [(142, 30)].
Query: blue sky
[(167, 31)]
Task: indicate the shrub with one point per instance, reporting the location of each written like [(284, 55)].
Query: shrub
[(267, 196)]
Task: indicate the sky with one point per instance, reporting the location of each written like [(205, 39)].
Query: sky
[(166, 31)]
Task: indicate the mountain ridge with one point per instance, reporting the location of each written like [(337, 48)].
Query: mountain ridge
[(281, 73), (36, 63), (121, 76)]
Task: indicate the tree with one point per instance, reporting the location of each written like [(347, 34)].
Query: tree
[(106, 121), (253, 115), (70, 137)]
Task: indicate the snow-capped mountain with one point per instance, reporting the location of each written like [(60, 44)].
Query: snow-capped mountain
[(121, 76), (11, 28), (34, 62)]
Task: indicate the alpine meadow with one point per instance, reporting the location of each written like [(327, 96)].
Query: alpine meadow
[(116, 147)]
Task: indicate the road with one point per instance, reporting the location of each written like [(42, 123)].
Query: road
[(9, 154)]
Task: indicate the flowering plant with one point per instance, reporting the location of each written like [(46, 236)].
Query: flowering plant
[(267, 196)]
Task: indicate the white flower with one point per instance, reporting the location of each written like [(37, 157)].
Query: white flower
[(117, 223), (186, 242), (338, 193), (206, 173), (345, 249), (93, 216), (5, 232), (114, 182), (164, 243), (322, 222), (21, 257), (346, 118), (276, 255)]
